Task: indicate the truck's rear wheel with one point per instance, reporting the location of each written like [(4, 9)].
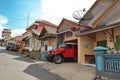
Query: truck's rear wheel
[(58, 59)]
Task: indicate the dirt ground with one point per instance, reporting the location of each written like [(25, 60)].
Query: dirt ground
[(70, 71)]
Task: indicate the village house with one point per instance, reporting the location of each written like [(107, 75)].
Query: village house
[(104, 29), (101, 30), (6, 35), (65, 33), (36, 35), (30, 37), (48, 37), (25, 41)]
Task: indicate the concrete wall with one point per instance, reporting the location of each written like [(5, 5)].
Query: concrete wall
[(110, 42), (73, 37), (82, 40), (85, 47), (51, 44), (31, 43), (100, 36), (116, 32), (37, 44), (52, 41)]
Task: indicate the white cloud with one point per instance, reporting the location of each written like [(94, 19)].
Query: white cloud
[(17, 32), (3, 20), (55, 10)]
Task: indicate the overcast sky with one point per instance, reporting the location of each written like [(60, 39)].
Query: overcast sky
[(14, 13)]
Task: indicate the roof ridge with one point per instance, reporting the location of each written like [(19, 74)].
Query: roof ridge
[(46, 22), (70, 20)]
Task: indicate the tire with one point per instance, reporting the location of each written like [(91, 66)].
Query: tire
[(58, 59)]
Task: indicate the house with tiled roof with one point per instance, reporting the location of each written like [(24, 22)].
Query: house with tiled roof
[(104, 29), (64, 33), (35, 31), (48, 37)]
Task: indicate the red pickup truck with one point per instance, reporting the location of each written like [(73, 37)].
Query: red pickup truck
[(65, 51)]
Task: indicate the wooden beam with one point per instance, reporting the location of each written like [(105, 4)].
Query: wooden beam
[(109, 33), (112, 34)]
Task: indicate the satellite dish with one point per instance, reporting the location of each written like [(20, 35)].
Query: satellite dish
[(81, 15)]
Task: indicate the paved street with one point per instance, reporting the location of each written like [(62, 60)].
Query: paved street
[(15, 67)]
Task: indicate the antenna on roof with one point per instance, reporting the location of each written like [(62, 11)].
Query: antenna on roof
[(81, 15)]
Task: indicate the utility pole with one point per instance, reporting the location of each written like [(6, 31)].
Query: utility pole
[(28, 20)]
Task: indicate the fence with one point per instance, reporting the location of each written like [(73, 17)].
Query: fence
[(108, 65)]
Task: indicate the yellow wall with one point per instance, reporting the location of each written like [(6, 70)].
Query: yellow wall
[(82, 51), (116, 32), (99, 36), (73, 37), (37, 44), (110, 42), (52, 42)]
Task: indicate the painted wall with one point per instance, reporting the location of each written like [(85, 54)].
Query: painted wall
[(110, 42), (100, 36), (82, 40), (53, 42), (50, 43), (85, 47), (116, 32), (31, 43), (37, 44), (73, 37)]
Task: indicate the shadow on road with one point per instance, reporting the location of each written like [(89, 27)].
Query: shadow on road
[(15, 53), (3, 50), (41, 73), (21, 58)]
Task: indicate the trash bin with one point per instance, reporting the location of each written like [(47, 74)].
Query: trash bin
[(99, 53)]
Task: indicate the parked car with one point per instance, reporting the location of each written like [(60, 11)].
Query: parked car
[(65, 51), (11, 45)]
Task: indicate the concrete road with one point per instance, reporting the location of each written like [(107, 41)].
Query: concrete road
[(71, 70), (15, 67)]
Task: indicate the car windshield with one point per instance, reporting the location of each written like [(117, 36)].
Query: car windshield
[(62, 46)]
